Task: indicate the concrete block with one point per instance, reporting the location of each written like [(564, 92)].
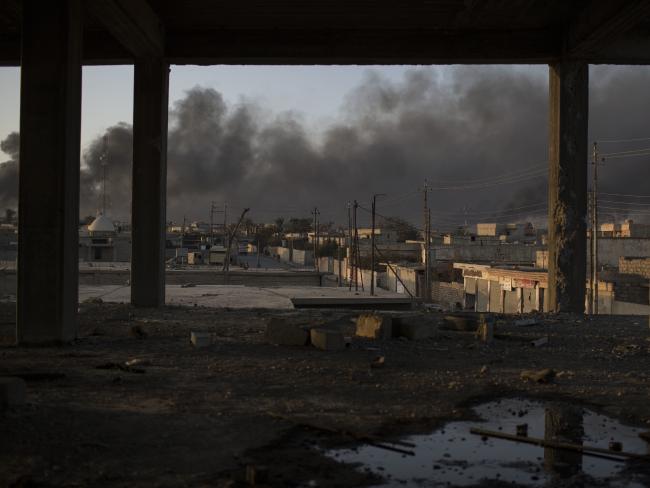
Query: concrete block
[(327, 339), (414, 328), (283, 332), (485, 331), (200, 339), (12, 391), (374, 326)]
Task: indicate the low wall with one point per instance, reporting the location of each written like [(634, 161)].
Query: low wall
[(303, 258), (447, 295), (631, 293), (610, 249), (489, 253), (634, 266)]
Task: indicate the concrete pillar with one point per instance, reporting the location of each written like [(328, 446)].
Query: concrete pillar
[(567, 186), (50, 127), (151, 77)]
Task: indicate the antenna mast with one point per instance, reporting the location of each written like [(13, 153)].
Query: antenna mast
[(104, 161)]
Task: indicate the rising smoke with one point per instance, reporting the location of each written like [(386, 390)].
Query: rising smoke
[(9, 171), (461, 129)]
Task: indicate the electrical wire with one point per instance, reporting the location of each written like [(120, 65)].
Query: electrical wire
[(618, 202), (612, 141)]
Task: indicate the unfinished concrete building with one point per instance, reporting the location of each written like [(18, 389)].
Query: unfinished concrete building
[(52, 40)]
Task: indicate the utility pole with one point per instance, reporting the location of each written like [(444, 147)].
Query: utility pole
[(226, 261), (183, 238), (356, 246), (372, 244), (225, 221), (316, 213), (428, 254), (349, 247), (104, 161), (590, 292), (211, 223), (427, 278), (594, 231)]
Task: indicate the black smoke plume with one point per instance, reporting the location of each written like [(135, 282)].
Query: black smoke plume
[(477, 134), (9, 172)]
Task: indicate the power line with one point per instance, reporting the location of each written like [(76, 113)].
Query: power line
[(618, 202), (630, 153), (542, 166), (493, 212), (608, 141), (489, 184), (628, 210), (625, 195)]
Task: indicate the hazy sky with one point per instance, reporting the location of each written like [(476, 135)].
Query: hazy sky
[(314, 91), (242, 134)]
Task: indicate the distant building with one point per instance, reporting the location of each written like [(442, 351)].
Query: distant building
[(382, 236), (524, 232), (629, 229), (101, 241), (326, 237), (8, 242)]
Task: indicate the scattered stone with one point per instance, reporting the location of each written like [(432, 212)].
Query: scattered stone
[(374, 326), (188, 285), (138, 332), (284, 333), (539, 342), (485, 331), (615, 446), (12, 391), (200, 339), (378, 362), (522, 430), (256, 475), (138, 362), (414, 328), (541, 376), (121, 367), (561, 374), (327, 339), (526, 322)]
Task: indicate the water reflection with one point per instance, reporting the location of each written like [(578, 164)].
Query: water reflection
[(563, 423), (453, 456)]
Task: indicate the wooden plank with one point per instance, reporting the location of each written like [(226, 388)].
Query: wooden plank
[(587, 450)]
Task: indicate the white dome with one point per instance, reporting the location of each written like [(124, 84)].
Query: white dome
[(101, 224)]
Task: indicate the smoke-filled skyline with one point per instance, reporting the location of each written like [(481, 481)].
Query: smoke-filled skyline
[(478, 135)]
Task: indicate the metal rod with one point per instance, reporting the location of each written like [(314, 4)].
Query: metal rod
[(589, 450)]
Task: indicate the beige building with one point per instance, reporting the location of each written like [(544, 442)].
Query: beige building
[(629, 229), (100, 241)]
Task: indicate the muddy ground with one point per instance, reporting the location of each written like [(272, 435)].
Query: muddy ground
[(198, 417)]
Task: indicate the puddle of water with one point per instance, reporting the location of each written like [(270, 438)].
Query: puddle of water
[(453, 456)]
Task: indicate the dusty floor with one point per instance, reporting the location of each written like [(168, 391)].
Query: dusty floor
[(230, 296), (197, 417)]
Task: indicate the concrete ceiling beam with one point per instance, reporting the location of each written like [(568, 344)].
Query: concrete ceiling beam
[(599, 26), (133, 23)]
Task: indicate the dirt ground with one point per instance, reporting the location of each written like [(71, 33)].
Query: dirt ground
[(197, 417)]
